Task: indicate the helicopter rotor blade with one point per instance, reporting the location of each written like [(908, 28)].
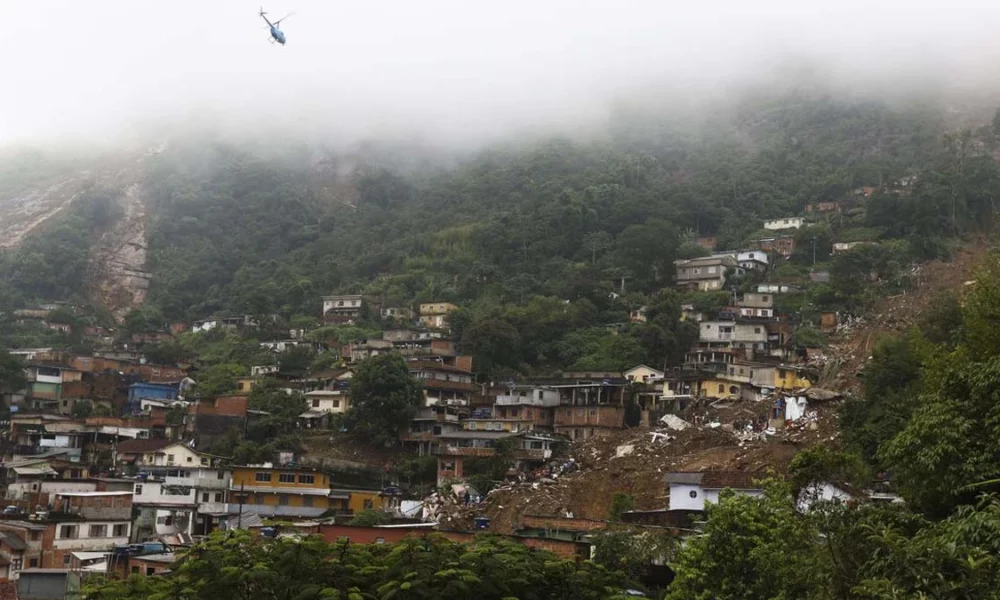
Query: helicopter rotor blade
[(283, 18)]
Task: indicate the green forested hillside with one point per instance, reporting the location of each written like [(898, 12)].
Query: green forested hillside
[(515, 231)]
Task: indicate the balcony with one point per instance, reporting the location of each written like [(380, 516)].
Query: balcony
[(202, 483), (511, 400), (444, 450)]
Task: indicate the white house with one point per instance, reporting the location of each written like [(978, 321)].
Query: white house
[(732, 333), (785, 223), (691, 491), (330, 401), (643, 374), (755, 260), (174, 455)]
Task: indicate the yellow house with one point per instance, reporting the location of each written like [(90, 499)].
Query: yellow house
[(357, 501), (245, 384), (719, 388), (788, 377), (276, 491)]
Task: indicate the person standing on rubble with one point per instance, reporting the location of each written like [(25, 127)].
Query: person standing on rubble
[(467, 497)]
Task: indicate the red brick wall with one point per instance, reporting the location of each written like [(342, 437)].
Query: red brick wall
[(463, 362), (232, 405), (561, 523), (136, 562)]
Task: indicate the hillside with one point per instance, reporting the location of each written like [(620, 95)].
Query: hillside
[(218, 229)]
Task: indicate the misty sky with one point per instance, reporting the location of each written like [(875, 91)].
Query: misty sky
[(454, 69)]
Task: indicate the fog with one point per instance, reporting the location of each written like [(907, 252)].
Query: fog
[(452, 70)]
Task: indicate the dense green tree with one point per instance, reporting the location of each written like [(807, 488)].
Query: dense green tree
[(12, 377), (235, 565), (751, 548), (384, 397), (218, 379), (296, 361), (166, 353)]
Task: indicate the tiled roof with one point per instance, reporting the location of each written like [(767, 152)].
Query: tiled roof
[(140, 446)]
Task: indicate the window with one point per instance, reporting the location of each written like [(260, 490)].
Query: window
[(286, 477), (593, 412), (170, 459), (336, 403), (379, 540), (189, 459), (15, 564), (711, 270), (36, 535), (369, 504), (204, 461), (315, 402), (98, 531), (204, 496), (67, 532), (219, 475), (722, 388), (135, 570), (262, 477), (472, 425), (307, 479), (121, 530), (218, 496), (74, 474), (138, 489), (307, 501), (283, 500), (150, 571), (765, 298), (33, 563), (66, 559), (693, 494)]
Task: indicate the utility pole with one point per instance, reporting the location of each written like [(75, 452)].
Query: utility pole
[(814, 250), (239, 519)]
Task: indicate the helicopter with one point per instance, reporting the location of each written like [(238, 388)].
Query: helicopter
[(277, 35)]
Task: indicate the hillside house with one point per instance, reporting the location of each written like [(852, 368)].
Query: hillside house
[(732, 335), (643, 374), (533, 404), (752, 260), (783, 245), (342, 310), (785, 223), (328, 401), (180, 500), (823, 207), (271, 491), (692, 491), (708, 242), (704, 274), (775, 288), (842, 247), (529, 450), (443, 384), (399, 313), (434, 315), (759, 306)]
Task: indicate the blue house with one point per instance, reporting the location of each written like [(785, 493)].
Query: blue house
[(155, 391)]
